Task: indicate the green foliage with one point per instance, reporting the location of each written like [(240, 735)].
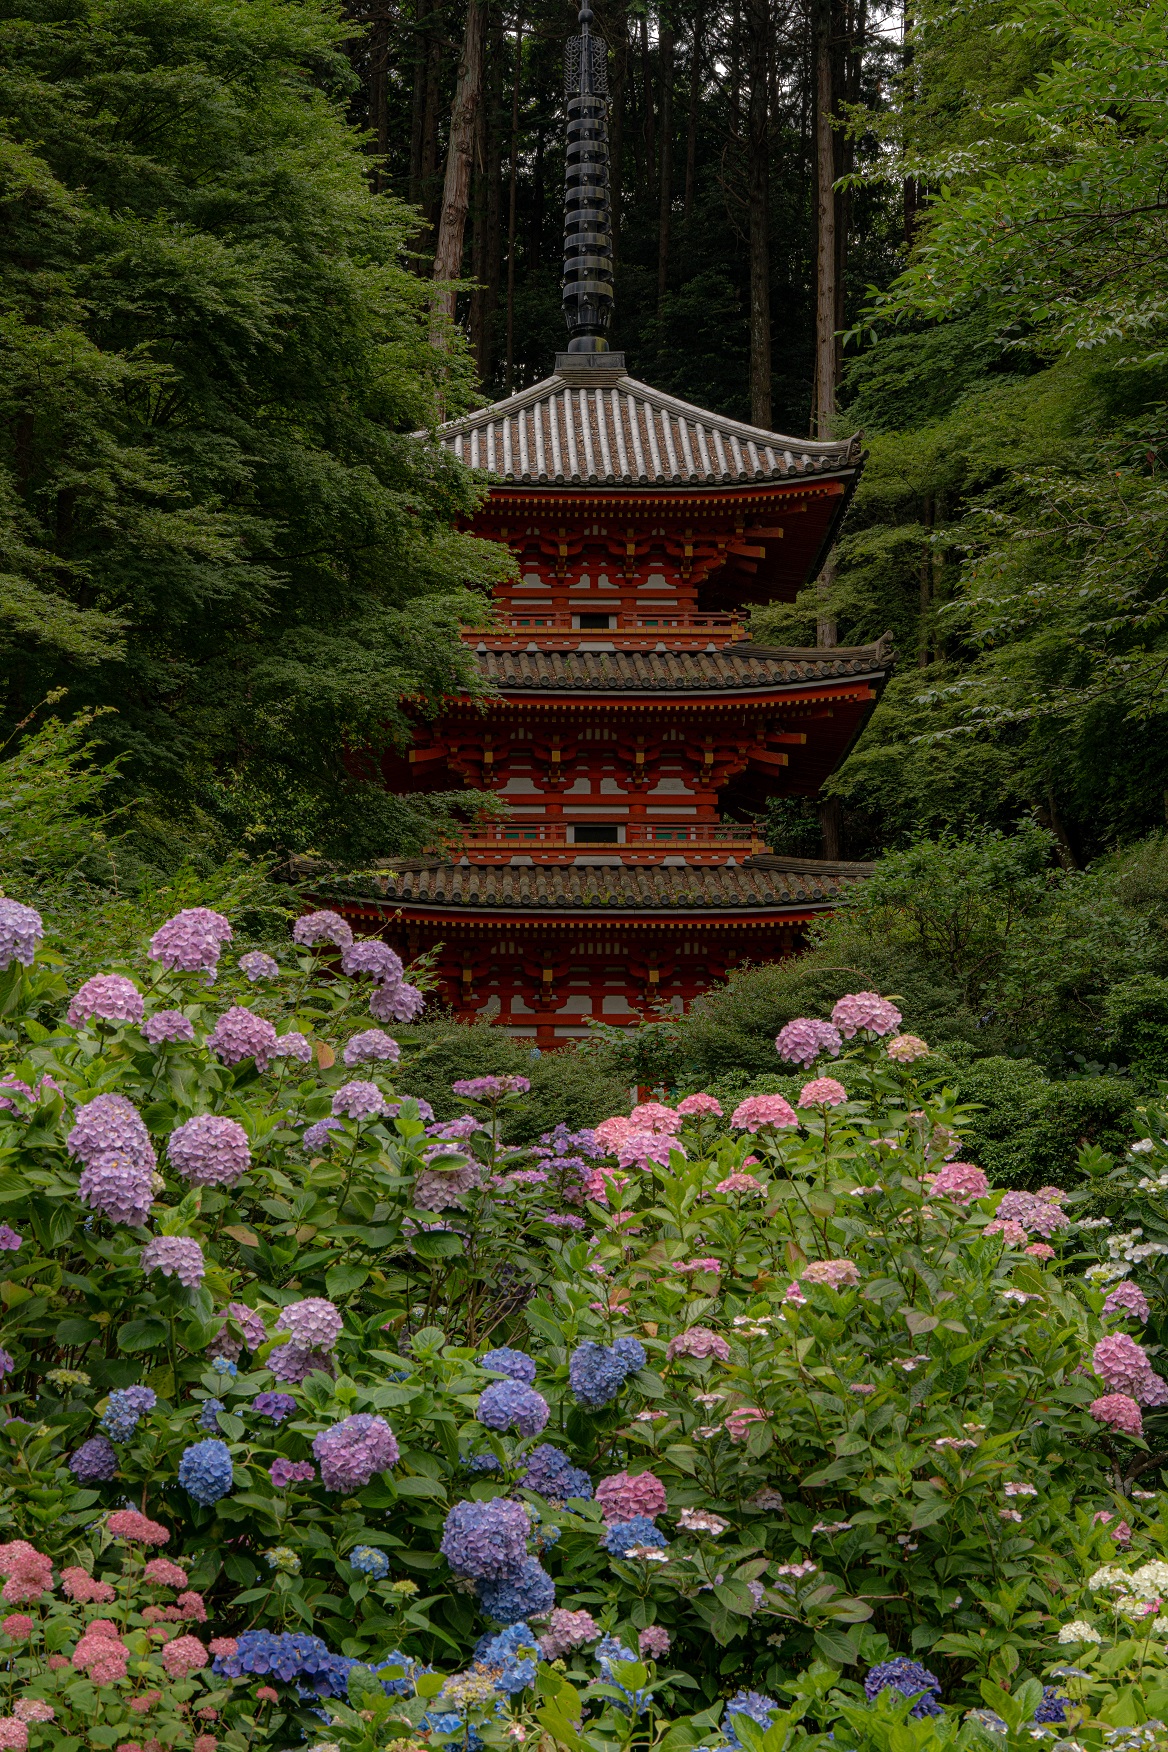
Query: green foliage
[(211, 514)]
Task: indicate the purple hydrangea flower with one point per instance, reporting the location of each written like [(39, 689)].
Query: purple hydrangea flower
[(285, 1472), (293, 1363), (530, 1593), (371, 1046), (277, 1406), (1053, 1707), (108, 1124), (255, 965), (176, 1256), (314, 1322), (125, 1409), (403, 1003), (373, 956), (490, 1089), (205, 1471), (351, 1453), (168, 1025), (597, 1372), (397, 1109), (293, 1045), (249, 1323), (210, 1150), (512, 1405), (316, 1137), (907, 1677), (14, 1086), (240, 1034), (191, 941), (437, 1189), (322, 927), (456, 1129), (118, 1188), (1126, 1299), (21, 929), (107, 996), (486, 1541), (359, 1100), (802, 1041), (514, 1363), (551, 1474), (10, 1241), (95, 1461), (7, 1363)]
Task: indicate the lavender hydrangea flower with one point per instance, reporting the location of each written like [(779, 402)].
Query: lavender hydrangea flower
[(108, 997), (7, 1363), (210, 1150), (418, 1108), (293, 1045), (107, 1124), (95, 1461), (205, 1471), (505, 1361), (351, 1453), (316, 1137), (10, 1241), (191, 942), (371, 1046), (21, 929), (285, 1472), (512, 1405), (486, 1541), (551, 1474), (530, 1593), (168, 1025), (437, 1189), (910, 1679), (293, 1363), (802, 1041), (403, 1003), (597, 1372), (314, 1322), (490, 1089), (277, 1406), (869, 1011), (255, 965), (373, 956), (240, 1034), (209, 1416), (177, 1256), (125, 1409), (118, 1188), (359, 1101), (322, 927)]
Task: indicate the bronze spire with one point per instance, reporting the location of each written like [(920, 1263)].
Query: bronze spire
[(587, 218)]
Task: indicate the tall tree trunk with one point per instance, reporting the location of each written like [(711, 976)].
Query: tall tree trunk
[(512, 182), (616, 110), (377, 87), (464, 116), (494, 267), (431, 116), (825, 216), (647, 87), (665, 42), (691, 129), (418, 99), (538, 200), (479, 195), (924, 618), (758, 25), (911, 193), (736, 71)]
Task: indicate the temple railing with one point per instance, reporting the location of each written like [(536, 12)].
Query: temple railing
[(639, 631), (506, 837)]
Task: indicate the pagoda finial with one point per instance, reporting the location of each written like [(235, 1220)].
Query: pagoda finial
[(587, 219)]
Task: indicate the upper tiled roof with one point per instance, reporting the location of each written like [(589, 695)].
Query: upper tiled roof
[(608, 887), (572, 429), (735, 667)]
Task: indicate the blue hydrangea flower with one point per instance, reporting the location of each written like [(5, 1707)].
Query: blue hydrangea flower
[(505, 1361), (373, 1562), (209, 1416), (910, 1679), (510, 1404), (1053, 1707), (292, 1656), (94, 1462), (551, 1473), (639, 1531), (487, 1541), (516, 1650), (528, 1593), (608, 1650), (125, 1411), (205, 1472), (597, 1372), (754, 1704), (224, 1366), (411, 1672), (483, 1463)]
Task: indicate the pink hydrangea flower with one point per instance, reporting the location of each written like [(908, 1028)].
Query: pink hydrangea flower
[(641, 1148), (370, 955), (322, 927), (822, 1092), (403, 1003), (177, 1256), (358, 1100), (759, 1111), (739, 1183), (162, 1573), (210, 1150), (255, 965), (865, 1010), (18, 1625), (13, 1734), (33, 1709), (1040, 1250), (654, 1642), (567, 1631), (698, 1341), (1126, 1299), (624, 1495), (240, 1034), (700, 1107), (223, 1647), (1038, 1212), (29, 1573), (314, 1322), (293, 1045), (183, 1656), (108, 997), (168, 1025), (839, 1273), (803, 1040), (905, 1049), (1013, 1234), (688, 1265), (129, 1524), (610, 1134), (794, 1295), (739, 1422), (653, 1116), (1120, 1362), (191, 941), (1119, 1412), (961, 1182), (371, 1045)]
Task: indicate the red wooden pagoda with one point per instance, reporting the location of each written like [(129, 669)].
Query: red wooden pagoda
[(633, 732)]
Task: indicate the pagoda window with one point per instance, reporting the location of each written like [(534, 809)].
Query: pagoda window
[(596, 833), (594, 623)]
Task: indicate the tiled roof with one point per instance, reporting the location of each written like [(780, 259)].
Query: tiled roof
[(571, 429), (735, 667), (611, 888)]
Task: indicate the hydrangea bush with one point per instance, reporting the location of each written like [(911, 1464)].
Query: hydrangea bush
[(754, 1391)]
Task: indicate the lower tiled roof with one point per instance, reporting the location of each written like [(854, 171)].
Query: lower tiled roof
[(735, 667), (607, 888)]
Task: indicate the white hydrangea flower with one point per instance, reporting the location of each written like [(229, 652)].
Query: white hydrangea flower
[(1109, 1576), (1079, 1631), (1151, 1579)]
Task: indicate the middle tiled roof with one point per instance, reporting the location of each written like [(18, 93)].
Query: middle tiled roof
[(734, 668)]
